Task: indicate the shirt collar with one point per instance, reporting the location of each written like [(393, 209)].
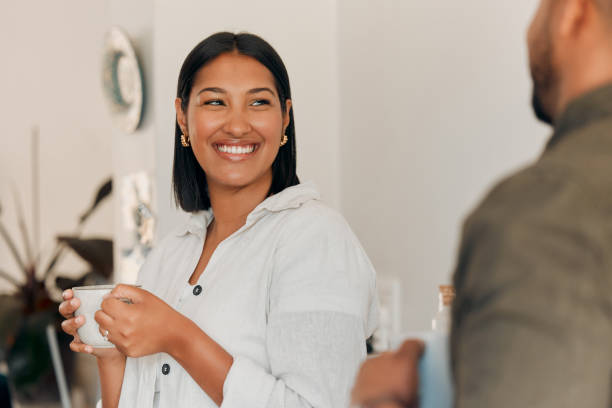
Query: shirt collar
[(291, 197), (582, 111), (196, 223)]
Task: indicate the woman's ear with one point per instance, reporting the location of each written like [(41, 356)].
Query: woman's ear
[(180, 115), (286, 117)]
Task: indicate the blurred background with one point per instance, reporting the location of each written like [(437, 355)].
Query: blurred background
[(406, 113)]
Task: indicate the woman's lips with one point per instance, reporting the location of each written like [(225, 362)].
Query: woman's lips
[(236, 152)]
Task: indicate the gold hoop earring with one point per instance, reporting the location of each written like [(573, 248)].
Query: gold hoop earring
[(185, 140), (284, 140)]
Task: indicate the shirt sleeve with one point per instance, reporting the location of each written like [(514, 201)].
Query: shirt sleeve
[(321, 310), (531, 322)]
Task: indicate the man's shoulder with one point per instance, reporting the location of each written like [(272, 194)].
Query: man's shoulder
[(542, 187), (537, 222), (571, 175)]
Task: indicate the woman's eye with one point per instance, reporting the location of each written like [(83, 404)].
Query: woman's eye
[(214, 102), (260, 102)]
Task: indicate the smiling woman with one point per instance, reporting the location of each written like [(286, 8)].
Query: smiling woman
[(264, 298), (233, 115), (256, 97)]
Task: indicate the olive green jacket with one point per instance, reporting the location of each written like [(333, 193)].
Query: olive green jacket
[(532, 321)]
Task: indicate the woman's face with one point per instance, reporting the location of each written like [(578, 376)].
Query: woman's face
[(234, 121)]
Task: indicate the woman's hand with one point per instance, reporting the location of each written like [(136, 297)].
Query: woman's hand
[(137, 322), (71, 324)]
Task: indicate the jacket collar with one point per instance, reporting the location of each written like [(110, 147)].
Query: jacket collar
[(582, 111)]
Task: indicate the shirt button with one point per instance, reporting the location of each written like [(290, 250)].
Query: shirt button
[(165, 369), (197, 290)]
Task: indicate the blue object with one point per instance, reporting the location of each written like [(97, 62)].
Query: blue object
[(435, 380)]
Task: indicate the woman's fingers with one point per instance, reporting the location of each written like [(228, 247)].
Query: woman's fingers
[(104, 332), (129, 293), (104, 322), (71, 325), (109, 328), (79, 347), (68, 307), (114, 307), (103, 319), (67, 294)]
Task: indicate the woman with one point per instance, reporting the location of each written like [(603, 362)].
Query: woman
[(265, 297)]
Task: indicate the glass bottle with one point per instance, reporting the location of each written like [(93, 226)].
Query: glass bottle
[(442, 320)]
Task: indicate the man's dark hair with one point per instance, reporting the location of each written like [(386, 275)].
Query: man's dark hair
[(188, 178)]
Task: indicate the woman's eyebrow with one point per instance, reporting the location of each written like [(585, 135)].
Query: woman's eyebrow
[(256, 90), (213, 89)]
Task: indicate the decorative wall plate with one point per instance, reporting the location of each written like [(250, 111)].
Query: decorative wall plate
[(122, 80)]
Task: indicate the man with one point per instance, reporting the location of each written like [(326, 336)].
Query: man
[(532, 321)]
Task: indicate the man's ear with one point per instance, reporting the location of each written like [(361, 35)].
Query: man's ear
[(573, 16)]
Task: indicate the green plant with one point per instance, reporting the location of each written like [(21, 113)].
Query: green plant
[(25, 313)]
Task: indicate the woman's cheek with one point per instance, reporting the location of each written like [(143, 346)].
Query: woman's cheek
[(205, 129), (267, 130), (205, 123), (272, 121)]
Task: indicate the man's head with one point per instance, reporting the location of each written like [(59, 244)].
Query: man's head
[(570, 52)]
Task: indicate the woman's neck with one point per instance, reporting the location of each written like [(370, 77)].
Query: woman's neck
[(232, 205)]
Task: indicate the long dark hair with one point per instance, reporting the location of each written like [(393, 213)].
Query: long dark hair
[(188, 178)]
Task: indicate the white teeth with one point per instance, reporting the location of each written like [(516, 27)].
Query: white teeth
[(236, 149)]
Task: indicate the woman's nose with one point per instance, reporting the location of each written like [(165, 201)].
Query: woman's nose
[(238, 123)]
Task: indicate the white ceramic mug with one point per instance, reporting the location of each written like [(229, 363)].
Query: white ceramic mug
[(91, 302)]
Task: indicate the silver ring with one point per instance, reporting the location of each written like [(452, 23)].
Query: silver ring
[(105, 337)]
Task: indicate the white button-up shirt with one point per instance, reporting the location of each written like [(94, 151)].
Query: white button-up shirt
[(290, 295)]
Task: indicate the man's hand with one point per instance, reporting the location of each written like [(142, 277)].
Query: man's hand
[(391, 379)]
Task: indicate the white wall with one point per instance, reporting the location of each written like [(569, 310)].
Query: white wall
[(434, 107), (50, 77), (135, 152), (303, 33)]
